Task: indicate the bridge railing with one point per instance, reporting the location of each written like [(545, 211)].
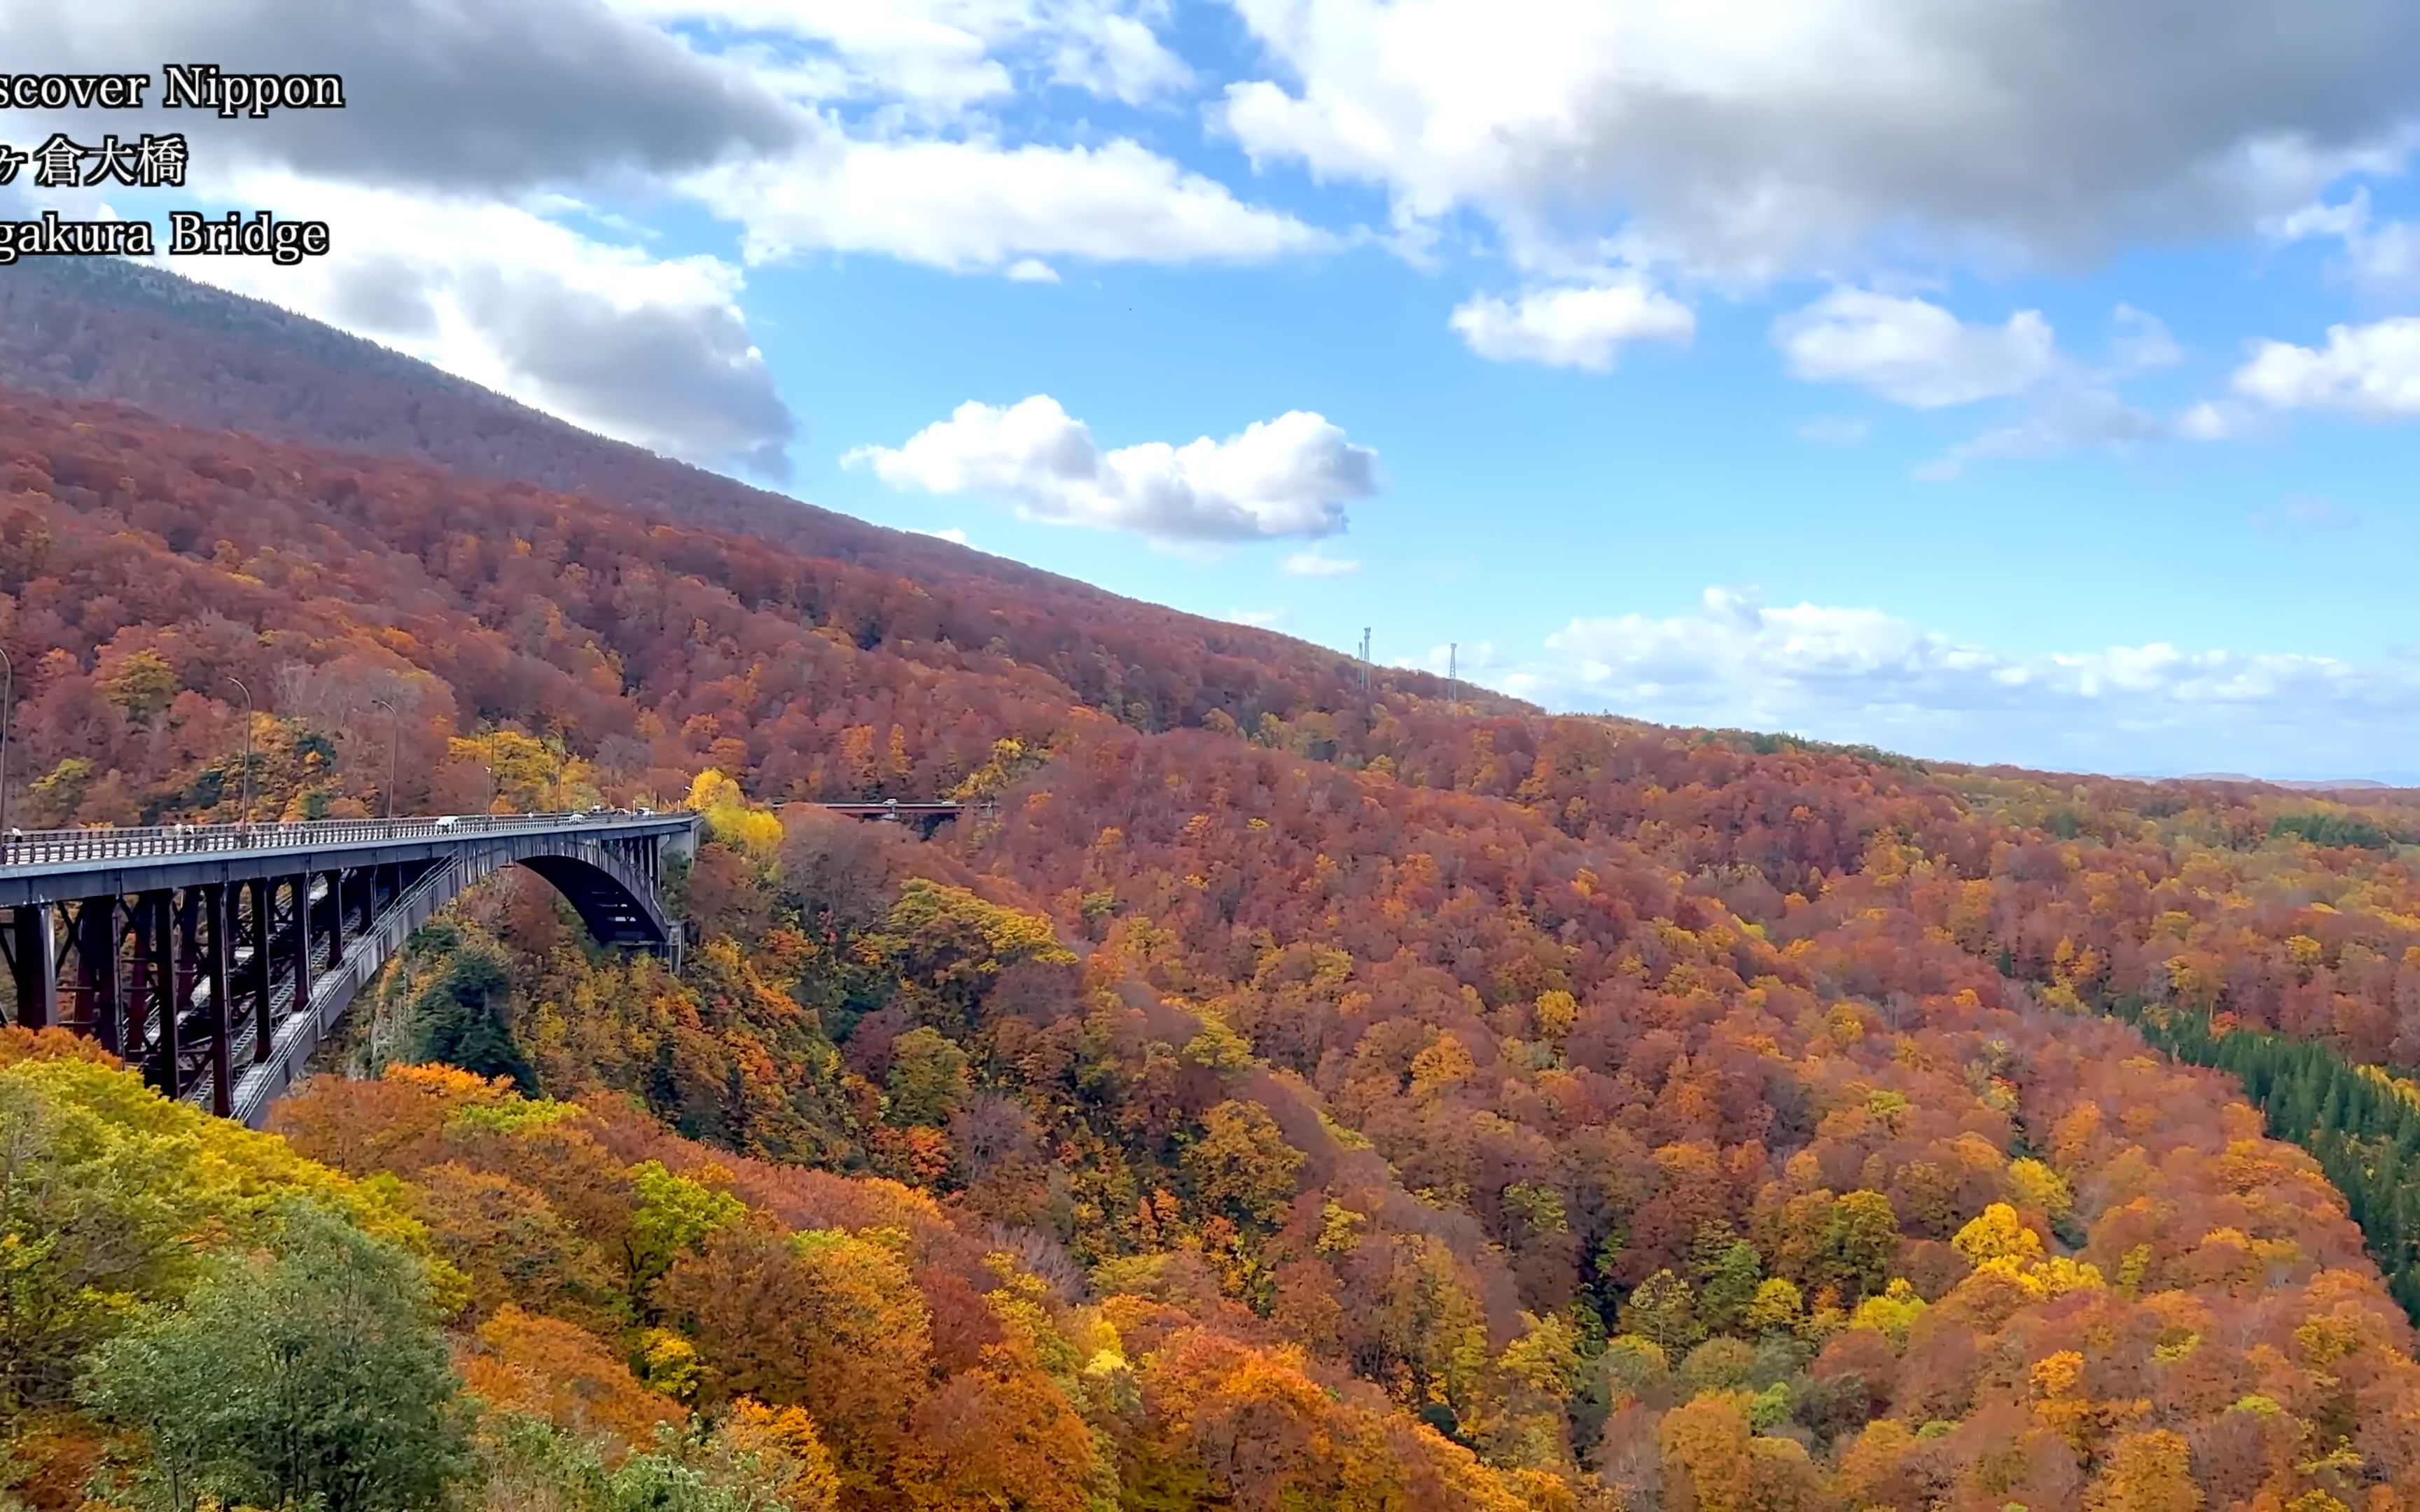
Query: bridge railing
[(53, 847)]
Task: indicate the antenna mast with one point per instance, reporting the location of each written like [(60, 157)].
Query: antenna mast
[(1452, 670)]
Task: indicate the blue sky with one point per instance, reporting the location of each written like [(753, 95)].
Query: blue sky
[(1956, 379)]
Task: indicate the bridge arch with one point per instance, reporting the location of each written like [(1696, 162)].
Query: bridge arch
[(617, 899)]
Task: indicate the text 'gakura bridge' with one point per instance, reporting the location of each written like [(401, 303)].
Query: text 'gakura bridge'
[(216, 957)]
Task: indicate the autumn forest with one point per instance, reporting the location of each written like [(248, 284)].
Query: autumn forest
[(1298, 1089)]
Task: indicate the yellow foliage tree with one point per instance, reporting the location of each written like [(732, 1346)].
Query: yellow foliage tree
[(731, 819), (2149, 1472), (2041, 1188), (1997, 1234), (1557, 1013)]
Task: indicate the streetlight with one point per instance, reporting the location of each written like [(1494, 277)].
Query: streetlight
[(7, 710), (494, 785), (247, 748), (390, 718)]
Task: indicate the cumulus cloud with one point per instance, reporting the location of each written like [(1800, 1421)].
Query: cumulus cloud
[(1914, 352), (439, 95), (1291, 477), (1317, 563), (2381, 257), (1865, 675), (1115, 55), (1582, 325), (2372, 371), (973, 206), (1259, 619), (647, 349), (1774, 135)]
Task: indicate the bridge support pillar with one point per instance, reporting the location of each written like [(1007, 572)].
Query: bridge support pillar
[(336, 919), (157, 970), (264, 1001), (34, 960), (215, 904), (98, 973), (301, 886), (136, 980)]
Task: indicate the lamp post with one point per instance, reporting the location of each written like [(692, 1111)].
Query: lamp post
[(485, 745), (8, 717), (246, 820), (391, 719)]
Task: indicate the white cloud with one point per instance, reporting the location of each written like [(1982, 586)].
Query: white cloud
[(1583, 326), (2370, 371), (1291, 477), (1472, 662), (2217, 419), (1773, 135), (2382, 256), (1317, 563), (2062, 421), (607, 335), (943, 54), (1116, 55), (1863, 675), (954, 535), (1259, 619), (453, 97), (1912, 352), (973, 206), (907, 151), (2141, 342)]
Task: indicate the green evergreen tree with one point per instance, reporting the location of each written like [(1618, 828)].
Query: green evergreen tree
[(463, 1020), (2359, 1129)]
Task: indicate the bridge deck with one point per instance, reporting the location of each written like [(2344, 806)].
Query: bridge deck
[(42, 865)]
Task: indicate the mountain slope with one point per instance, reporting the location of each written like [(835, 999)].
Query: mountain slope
[(105, 329), (1313, 1098)]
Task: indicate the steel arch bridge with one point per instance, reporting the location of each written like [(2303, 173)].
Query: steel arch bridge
[(218, 957)]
